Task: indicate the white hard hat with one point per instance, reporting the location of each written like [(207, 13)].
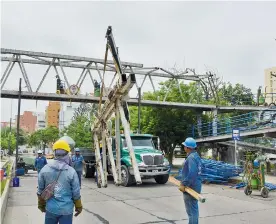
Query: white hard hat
[(39, 151)]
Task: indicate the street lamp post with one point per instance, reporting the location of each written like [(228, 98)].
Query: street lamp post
[(18, 122), (10, 151)]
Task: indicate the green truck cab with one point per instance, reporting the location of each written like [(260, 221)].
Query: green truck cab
[(151, 161)]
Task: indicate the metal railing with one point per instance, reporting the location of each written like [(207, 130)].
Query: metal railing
[(223, 126)]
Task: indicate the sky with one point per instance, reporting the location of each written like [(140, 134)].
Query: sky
[(236, 40)]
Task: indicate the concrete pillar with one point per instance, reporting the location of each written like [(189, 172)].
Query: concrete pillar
[(199, 123), (215, 122), (214, 153)]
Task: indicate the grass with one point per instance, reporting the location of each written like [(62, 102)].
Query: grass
[(4, 181)]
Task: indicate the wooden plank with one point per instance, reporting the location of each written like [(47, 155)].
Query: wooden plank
[(190, 191)]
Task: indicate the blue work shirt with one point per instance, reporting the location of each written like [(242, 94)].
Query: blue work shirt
[(66, 191), (40, 162), (77, 162), (191, 172)]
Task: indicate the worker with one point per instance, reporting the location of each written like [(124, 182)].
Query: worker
[(40, 161), (66, 194), (191, 177), (77, 163)]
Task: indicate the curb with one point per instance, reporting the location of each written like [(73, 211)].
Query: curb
[(5, 194)]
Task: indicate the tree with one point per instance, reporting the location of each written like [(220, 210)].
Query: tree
[(80, 128), (80, 131), (86, 110), (4, 141), (171, 125), (45, 137), (22, 135), (6, 135), (236, 95)]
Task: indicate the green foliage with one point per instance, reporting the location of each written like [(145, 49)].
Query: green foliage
[(4, 181), (6, 135), (45, 136), (80, 128), (80, 131), (5, 142), (236, 95), (170, 124)]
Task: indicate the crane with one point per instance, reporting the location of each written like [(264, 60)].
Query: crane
[(114, 104)]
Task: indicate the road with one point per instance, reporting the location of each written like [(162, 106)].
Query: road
[(148, 203)]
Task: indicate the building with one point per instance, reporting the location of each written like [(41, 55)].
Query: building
[(270, 85), (40, 124), (27, 121), (66, 114), (52, 114), (6, 124)]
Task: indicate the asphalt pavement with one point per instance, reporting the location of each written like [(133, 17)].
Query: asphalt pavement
[(147, 203)]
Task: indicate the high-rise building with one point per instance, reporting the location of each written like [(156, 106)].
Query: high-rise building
[(270, 85), (66, 114), (40, 124), (52, 114), (27, 121)]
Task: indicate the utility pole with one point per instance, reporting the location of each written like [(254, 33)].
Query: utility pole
[(139, 110), (18, 122), (258, 96), (10, 151)]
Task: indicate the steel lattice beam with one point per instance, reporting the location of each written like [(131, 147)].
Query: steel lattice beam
[(131, 102), (61, 56), (137, 72)]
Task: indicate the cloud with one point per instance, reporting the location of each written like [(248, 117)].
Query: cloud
[(234, 38)]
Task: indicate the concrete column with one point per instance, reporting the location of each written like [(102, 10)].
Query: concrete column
[(215, 122), (199, 123), (214, 153)]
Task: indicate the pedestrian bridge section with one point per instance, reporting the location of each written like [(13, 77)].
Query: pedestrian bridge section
[(11, 94), (252, 124), (250, 146)]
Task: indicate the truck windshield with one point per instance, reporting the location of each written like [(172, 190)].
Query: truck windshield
[(139, 142)]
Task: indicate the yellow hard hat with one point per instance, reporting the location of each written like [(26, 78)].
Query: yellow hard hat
[(61, 144)]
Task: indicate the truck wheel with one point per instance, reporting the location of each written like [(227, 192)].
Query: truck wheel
[(26, 170), (162, 179), (127, 179), (88, 171)]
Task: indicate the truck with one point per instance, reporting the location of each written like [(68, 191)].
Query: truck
[(151, 161)]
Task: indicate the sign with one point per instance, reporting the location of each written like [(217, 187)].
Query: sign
[(74, 89), (235, 134)]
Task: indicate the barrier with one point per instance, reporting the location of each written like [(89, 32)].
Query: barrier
[(5, 194)]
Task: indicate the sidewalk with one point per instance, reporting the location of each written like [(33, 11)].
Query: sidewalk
[(22, 204)]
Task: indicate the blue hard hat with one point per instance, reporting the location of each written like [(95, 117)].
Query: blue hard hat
[(77, 149), (190, 143), (256, 163)]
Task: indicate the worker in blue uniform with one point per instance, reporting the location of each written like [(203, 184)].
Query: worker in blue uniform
[(40, 161), (78, 162), (191, 177), (59, 207)]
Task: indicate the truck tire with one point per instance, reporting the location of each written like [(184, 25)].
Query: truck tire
[(162, 179), (88, 171), (127, 178)]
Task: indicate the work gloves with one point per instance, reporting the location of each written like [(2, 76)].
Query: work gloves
[(181, 188), (78, 207), (41, 204)]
